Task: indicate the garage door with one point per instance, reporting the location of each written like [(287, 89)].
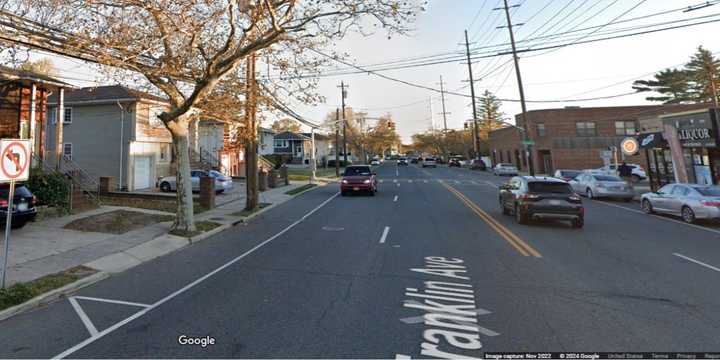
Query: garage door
[(142, 173)]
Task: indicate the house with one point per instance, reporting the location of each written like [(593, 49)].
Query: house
[(323, 146), (572, 137), (23, 107), (295, 148), (114, 131), (265, 141)]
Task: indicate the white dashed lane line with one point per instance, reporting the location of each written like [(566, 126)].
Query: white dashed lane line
[(384, 234)]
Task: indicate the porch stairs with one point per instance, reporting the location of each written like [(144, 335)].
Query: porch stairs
[(83, 187)]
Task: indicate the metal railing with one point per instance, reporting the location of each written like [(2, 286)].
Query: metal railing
[(76, 175)]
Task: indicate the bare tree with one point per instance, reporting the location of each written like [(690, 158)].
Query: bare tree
[(185, 48)]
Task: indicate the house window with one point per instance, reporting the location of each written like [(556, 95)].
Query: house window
[(625, 128), (67, 150), (281, 143), (541, 129), (52, 115), (153, 118), (585, 128), (165, 152)]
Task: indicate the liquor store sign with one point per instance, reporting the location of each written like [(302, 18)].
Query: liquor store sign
[(696, 130)]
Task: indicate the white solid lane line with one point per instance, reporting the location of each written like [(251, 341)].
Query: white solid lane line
[(112, 301), (85, 319), (384, 234), (187, 287), (697, 262), (658, 216), (395, 199)]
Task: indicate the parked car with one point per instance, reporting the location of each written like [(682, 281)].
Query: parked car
[(567, 175), (429, 162), (504, 169), (689, 201), (413, 160), (478, 164), (358, 178), (531, 197), (375, 162), (403, 161), (222, 181), (24, 202), (454, 162), (594, 185), (638, 173)]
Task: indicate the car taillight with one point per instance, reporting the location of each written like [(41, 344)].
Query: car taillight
[(529, 197), (3, 202), (33, 201), (711, 203)]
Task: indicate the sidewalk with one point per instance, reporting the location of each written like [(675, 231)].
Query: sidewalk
[(46, 247)]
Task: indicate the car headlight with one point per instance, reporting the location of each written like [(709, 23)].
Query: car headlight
[(366, 182), (344, 181)]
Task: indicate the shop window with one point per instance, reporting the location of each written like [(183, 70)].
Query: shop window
[(585, 128), (623, 128)]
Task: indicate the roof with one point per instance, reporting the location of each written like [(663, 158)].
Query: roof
[(266, 130), (288, 135), (29, 77), (103, 94), (633, 111), (317, 136)]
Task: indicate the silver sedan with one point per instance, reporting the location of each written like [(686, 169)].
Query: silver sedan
[(595, 185), (222, 182), (690, 201)]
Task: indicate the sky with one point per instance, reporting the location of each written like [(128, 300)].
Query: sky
[(579, 71)]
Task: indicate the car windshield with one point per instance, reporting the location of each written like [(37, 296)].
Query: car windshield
[(213, 173), (549, 187), (570, 173), (607, 178), (429, 159), (20, 190), (708, 191), (357, 171)]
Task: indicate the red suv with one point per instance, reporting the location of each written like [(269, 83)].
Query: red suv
[(358, 178)]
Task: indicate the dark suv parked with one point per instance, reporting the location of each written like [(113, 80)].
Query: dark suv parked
[(530, 197), (23, 205)]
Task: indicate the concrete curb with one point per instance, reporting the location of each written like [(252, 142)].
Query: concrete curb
[(207, 234), (53, 295)]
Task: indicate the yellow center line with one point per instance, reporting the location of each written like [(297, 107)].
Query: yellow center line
[(521, 246)]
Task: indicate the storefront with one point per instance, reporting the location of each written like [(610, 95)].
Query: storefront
[(659, 159), (695, 146)]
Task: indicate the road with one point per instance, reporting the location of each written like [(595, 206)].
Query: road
[(427, 268)]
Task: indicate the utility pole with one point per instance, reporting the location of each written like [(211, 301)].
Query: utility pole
[(526, 135), (442, 97), (337, 142), (344, 95), (476, 134)]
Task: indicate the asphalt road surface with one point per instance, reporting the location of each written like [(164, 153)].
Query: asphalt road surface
[(427, 268)]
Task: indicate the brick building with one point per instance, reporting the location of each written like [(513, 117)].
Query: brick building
[(573, 137)]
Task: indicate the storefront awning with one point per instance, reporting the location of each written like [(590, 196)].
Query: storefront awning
[(651, 140)]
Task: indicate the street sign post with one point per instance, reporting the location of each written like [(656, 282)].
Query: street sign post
[(14, 166)]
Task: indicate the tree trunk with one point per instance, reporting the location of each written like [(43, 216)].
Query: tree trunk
[(251, 173), (184, 218)]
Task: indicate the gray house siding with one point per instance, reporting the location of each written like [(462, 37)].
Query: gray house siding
[(95, 137)]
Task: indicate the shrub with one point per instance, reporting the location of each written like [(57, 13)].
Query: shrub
[(14, 295), (51, 188)]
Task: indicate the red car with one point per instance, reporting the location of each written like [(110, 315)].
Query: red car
[(358, 178)]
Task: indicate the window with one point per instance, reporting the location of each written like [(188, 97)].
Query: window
[(67, 150), (680, 191), (541, 129), (165, 152), (153, 118), (52, 115), (281, 143), (585, 128), (625, 128)]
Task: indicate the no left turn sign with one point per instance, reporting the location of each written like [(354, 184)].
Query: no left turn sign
[(15, 162)]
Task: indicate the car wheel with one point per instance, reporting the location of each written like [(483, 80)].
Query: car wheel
[(646, 206), (372, 193), (589, 193), (688, 215), (635, 178), (165, 186), (504, 208), (578, 222), (519, 216)]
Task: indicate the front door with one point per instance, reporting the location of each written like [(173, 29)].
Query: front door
[(141, 178), (547, 162)]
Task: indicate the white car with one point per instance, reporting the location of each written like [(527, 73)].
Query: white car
[(503, 169), (429, 162), (222, 182), (375, 162), (638, 173)]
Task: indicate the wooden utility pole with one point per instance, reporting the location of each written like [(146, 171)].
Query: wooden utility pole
[(343, 93), (337, 142), (476, 134), (251, 146), (525, 125), (444, 113)]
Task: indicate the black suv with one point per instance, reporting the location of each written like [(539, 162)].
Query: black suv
[(23, 206), (531, 197)]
